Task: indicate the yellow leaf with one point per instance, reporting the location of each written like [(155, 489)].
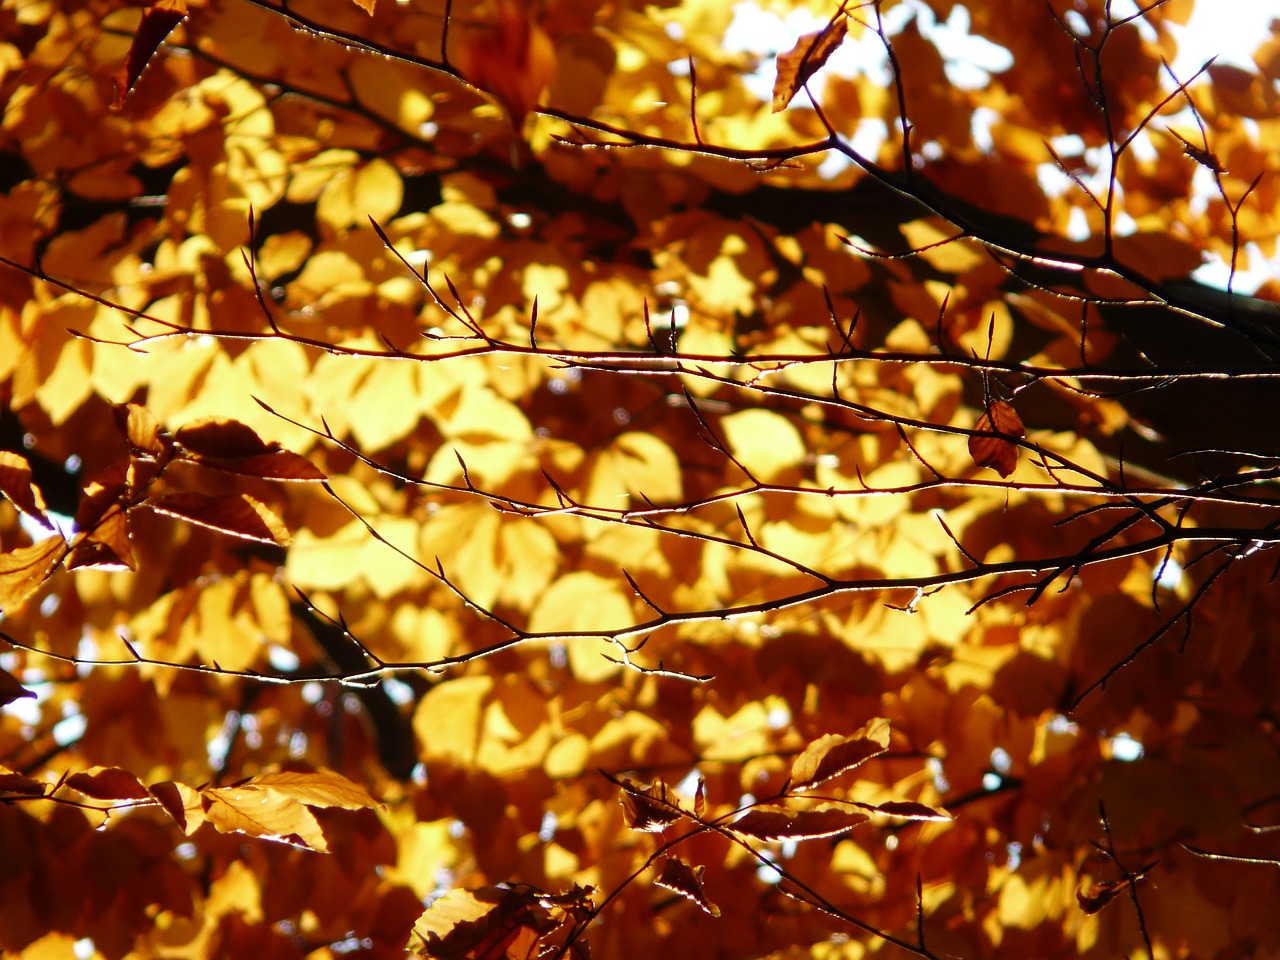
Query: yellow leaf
[(765, 443), (267, 814), (802, 61), (24, 570), (323, 788), (635, 465)]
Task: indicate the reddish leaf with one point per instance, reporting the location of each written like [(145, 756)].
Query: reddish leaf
[(108, 783), (779, 823), (907, 810), (181, 802), (18, 785), (157, 23), (832, 754), (1098, 897), (678, 877), (806, 58), (238, 515), (997, 452), (234, 447), (512, 58), (16, 485)]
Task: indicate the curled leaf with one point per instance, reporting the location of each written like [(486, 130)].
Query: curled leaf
[(511, 58), (649, 810), (806, 58), (678, 877), (992, 446), (16, 485), (907, 810)]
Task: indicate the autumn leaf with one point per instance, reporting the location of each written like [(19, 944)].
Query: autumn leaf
[(1000, 453), (511, 58), (833, 754), (650, 809), (107, 783), (16, 484), (235, 447), (158, 21), (906, 810), (23, 570), (678, 877), (779, 823), (238, 515), (806, 58)]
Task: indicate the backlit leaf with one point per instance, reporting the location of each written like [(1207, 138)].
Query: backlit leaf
[(511, 58), (685, 880), (11, 689), (650, 809), (17, 486), (238, 515), (107, 783), (833, 754), (24, 569), (806, 58), (779, 823), (997, 452), (158, 21)]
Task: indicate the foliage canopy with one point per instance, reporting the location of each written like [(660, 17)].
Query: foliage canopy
[(497, 480)]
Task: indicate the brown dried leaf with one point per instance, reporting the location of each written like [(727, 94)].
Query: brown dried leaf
[(907, 810), (158, 22), (678, 877), (234, 447), (222, 439), (16, 484), (238, 515), (107, 783), (806, 58), (650, 810), (779, 823), (24, 570), (997, 452), (1098, 897), (833, 754)]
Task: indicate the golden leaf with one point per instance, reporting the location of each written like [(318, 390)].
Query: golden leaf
[(833, 754), (22, 571), (806, 58)]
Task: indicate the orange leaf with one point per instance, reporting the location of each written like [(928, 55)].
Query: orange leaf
[(833, 754), (16, 484), (17, 784), (238, 515), (142, 429), (806, 58), (513, 59), (106, 545), (22, 571), (107, 783), (997, 452), (157, 23), (262, 813), (779, 823), (650, 810), (907, 810), (680, 878)]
